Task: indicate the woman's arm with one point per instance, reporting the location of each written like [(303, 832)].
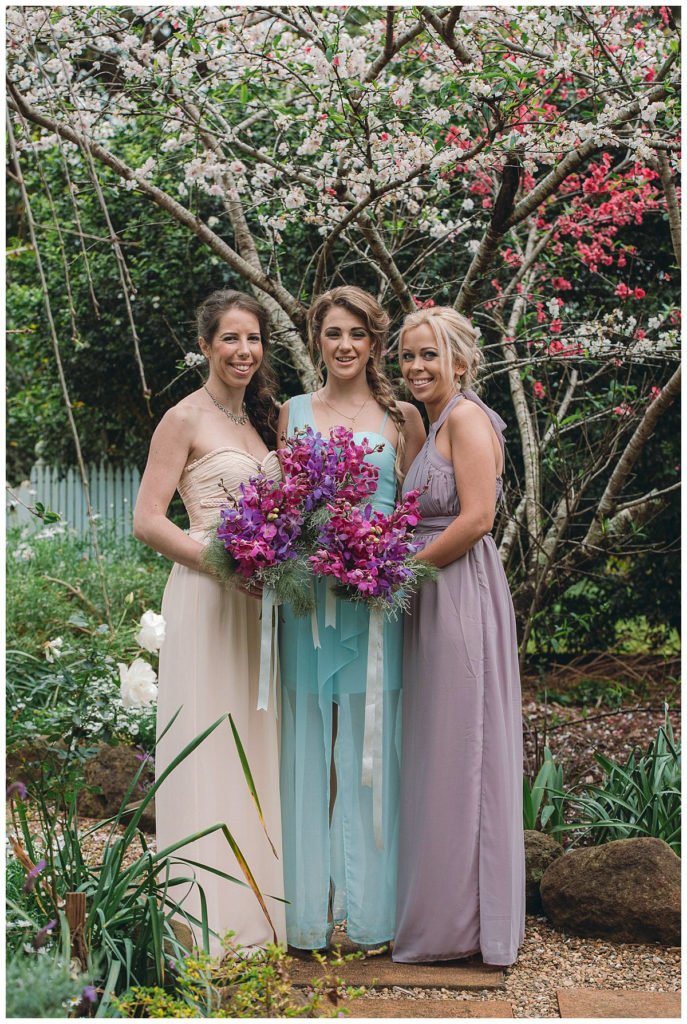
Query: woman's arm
[(413, 433), (474, 465), (169, 450), (282, 427)]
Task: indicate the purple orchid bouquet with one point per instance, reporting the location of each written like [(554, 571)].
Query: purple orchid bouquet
[(267, 532), (258, 539), (370, 554), (332, 470)]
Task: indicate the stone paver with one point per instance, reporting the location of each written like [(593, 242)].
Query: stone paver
[(427, 1008), (594, 1002), (380, 971)]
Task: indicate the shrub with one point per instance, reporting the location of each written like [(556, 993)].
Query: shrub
[(542, 802), (130, 900), (242, 984), (639, 798), (43, 985)]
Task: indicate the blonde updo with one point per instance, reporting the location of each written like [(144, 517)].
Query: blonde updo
[(456, 340)]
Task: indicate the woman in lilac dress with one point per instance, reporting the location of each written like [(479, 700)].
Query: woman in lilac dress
[(461, 875)]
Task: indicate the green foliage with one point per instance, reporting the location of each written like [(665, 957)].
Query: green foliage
[(131, 898), (42, 985), (241, 985), (55, 588), (639, 798), (62, 672), (593, 692), (542, 804)]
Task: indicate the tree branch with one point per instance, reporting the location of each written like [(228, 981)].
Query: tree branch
[(574, 160), (445, 32), (671, 203), (291, 306), (633, 450)]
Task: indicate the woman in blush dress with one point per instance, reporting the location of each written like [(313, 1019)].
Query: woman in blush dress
[(461, 880), (217, 437), (340, 836)]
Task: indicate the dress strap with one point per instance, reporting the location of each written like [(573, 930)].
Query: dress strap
[(300, 413), (386, 417), (433, 427)]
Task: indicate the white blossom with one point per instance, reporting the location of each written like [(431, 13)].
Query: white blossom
[(194, 359), (137, 683), (53, 649), (152, 632)]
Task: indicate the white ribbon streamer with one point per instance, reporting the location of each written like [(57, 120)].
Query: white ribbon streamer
[(329, 604), (374, 720), (313, 620), (269, 651)]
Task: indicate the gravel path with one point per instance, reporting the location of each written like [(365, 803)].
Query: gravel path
[(550, 960)]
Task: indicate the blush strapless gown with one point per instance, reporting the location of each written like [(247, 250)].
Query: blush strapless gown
[(209, 665)]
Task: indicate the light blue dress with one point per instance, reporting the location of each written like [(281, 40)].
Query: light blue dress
[(335, 871)]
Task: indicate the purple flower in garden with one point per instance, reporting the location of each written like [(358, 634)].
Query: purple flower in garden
[(41, 936), (88, 998), (32, 875), (16, 789)]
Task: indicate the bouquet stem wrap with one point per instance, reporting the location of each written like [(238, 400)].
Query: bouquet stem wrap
[(374, 720), (269, 651)]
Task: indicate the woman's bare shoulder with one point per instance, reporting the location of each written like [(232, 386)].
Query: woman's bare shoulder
[(182, 418), (465, 415), (410, 412)]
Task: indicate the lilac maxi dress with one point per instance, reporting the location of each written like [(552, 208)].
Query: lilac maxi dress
[(461, 871)]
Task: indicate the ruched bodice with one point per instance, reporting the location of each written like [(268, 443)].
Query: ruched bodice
[(433, 474), (203, 482)]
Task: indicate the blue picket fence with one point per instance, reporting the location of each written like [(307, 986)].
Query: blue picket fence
[(113, 491)]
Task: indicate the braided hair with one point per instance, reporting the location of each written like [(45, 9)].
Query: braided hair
[(262, 387), (376, 320)]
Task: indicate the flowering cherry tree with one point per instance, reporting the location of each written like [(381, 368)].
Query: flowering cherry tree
[(502, 159)]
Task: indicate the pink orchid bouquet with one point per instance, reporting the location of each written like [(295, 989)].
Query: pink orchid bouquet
[(331, 470), (370, 554), (257, 539), (267, 532)]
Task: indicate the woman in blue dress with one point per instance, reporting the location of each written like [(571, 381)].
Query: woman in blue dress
[(340, 836)]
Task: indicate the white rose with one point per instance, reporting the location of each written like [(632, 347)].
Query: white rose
[(137, 684), (152, 632)]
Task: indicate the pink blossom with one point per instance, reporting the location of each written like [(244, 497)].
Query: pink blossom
[(623, 410), (539, 389), (639, 293), (622, 291)]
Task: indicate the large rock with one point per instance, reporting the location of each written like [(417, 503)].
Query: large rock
[(540, 851), (627, 891), (111, 771), (34, 761)]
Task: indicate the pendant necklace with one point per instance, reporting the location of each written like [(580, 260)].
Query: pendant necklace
[(240, 419), (338, 412)]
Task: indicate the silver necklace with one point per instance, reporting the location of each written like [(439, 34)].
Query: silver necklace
[(240, 419), (338, 412)]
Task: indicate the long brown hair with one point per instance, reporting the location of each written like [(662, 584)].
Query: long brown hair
[(260, 391), (376, 320)]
